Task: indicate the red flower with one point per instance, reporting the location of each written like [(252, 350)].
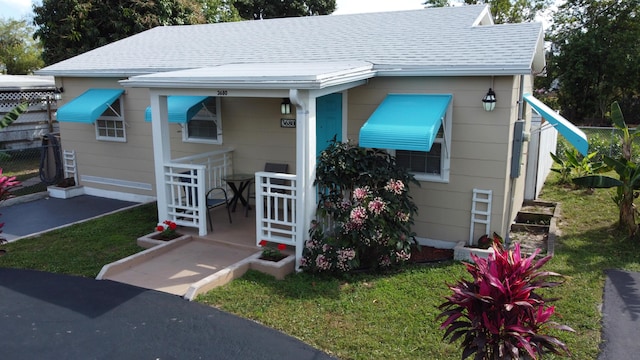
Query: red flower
[(263, 242), (282, 246), (160, 228)]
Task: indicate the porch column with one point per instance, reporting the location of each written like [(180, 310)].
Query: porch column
[(305, 165), (161, 148)]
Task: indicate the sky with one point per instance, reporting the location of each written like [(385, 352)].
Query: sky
[(16, 9)]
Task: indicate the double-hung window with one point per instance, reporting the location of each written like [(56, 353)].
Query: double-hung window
[(206, 125), (110, 126), (434, 164)]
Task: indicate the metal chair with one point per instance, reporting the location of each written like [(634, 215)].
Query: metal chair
[(274, 168), (217, 197)]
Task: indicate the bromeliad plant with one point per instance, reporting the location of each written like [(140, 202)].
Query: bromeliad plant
[(498, 314), (364, 211)]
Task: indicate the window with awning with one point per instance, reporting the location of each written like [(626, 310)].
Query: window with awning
[(89, 106), (198, 115), (416, 128)]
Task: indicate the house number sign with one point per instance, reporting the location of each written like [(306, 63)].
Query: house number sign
[(288, 123)]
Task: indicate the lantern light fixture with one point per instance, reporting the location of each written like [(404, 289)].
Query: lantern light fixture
[(285, 107), (489, 100)]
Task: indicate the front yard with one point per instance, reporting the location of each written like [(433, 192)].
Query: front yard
[(388, 316)]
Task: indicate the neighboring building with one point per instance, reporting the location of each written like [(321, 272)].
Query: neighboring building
[(214, 94), (27, 131)]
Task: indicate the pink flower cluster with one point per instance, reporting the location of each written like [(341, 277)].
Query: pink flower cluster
[(403, 255), (402, 216), (395, 186), (361, 193), (358, 215), (377, 206), (322, 263)]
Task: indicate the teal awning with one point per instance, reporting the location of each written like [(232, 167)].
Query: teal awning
[(405, 122), (575, 136), (87, 107), (181, 108)]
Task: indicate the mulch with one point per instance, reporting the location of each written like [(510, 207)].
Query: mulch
[(427, 254)]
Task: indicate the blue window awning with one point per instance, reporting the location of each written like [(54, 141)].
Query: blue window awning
[(181, 108), (87, 107), (405, 122), (575, 136)]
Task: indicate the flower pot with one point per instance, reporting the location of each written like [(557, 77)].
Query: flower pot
[(278, 269), (154, 239)]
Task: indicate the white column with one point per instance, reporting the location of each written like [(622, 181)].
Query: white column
[(161, 149), (305, 165)]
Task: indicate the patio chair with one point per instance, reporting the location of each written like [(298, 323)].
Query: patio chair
[(274, 168), (217, 197)]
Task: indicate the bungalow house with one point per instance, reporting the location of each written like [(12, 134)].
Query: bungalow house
[(183, 107)]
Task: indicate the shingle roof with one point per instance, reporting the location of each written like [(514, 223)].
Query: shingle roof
[(435, 39)]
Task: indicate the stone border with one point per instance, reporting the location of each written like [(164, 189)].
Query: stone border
[(461, 252), (148, 241), (58, 192)]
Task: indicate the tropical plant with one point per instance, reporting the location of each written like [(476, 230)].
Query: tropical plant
[(272, 252), (628, 174), (13, 115), (364, 211), (498, 314), (575, 165), (486, 241)]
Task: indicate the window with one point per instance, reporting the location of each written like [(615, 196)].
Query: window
[(432, 165), (110, 126), (205, 126)]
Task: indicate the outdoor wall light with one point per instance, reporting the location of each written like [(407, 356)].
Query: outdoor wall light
[(285, 107), (57, 94), (489, 100)]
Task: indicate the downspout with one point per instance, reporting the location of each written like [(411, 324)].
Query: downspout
[(302, 115), (515, 159)]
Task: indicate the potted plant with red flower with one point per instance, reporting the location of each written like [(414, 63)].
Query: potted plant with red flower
[(271, 252), (167, 230)]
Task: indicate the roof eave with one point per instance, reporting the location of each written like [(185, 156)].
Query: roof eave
[(457, 71)]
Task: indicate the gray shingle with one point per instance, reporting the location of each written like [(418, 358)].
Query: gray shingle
[(436, 38)]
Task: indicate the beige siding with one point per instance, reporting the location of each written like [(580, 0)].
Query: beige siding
[(251, 126), (480, 151)]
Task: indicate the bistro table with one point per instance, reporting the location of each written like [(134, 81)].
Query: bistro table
[(238, 184)]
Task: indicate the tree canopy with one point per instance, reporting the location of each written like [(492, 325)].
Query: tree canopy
[(595, 55), (503, 11), (19, 52), (266, 9)]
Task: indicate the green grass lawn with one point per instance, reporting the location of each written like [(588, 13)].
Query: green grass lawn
[(389, 316)]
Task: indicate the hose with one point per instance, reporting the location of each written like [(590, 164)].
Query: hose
[(50, 141)]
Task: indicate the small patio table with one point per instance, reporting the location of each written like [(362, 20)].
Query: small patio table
[(238, 184)]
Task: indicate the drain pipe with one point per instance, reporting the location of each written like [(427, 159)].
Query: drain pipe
[(515, 158)]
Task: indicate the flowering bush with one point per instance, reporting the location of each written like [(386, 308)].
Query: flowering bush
[(6, 184), (167, 229), (272, 253), (364, 211), (498, 315)]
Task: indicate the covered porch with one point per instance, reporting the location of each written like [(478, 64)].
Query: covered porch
[(281, 213)]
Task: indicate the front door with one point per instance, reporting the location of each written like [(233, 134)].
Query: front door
[(328, 120)]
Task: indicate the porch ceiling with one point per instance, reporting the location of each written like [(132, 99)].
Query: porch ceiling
[(259, 76)]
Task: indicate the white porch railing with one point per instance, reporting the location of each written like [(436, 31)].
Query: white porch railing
[(276, 197), (188, 179)]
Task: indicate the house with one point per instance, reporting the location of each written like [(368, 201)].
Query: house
[(184, 106)]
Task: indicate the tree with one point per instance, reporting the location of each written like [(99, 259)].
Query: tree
[(19, 52), (71, 27), (267, 9), (503, 11), (595, 54)]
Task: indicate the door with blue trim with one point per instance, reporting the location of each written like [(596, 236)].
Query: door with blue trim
[(328, 120)]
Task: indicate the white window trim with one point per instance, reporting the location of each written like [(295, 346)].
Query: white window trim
[(217, 118), (445, 158), (119, 117)]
